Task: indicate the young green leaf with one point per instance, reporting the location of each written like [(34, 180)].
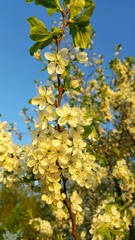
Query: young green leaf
[(48, 3), (88, 130), (29, 1), (117, 232), (40, 45), (66, 2), (104, 230), (33, 21), (56, 31), (80, 35), (88, 3), (39, 34), (76, 6), (89, 10), (51, 11), (82, 21)]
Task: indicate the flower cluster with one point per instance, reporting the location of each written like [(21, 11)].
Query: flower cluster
[(10, 157), (109, 220), (82, 140), (126, 179), (55, 153), (42, 226)]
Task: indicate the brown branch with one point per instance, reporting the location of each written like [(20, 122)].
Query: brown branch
[(58, 103), (73, 218), (60, 91), (58, 40)]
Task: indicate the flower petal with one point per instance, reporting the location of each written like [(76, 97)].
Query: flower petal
[(60, 69), (63, 52), (51, 67), (50, 56), (59, 111), (35, 101), (56, 143), (51, 99), (50, 90), (64, 62), (82, 57), (42, 91)]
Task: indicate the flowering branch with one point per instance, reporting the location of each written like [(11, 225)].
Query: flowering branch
[(60, 93)]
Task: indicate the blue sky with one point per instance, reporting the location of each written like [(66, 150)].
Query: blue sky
[(113, 21)]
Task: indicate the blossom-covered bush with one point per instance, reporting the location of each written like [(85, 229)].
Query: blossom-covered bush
[(80, 161)]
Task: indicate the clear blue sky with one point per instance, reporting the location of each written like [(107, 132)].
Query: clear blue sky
[(113, 21)]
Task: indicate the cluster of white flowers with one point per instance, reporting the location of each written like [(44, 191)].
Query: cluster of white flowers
[(74, 116), (58, 61), (42, 226), (54, 153), (126, 179), (110, 220), (61, 214), (61, 162), (122, 99), (10, 157)]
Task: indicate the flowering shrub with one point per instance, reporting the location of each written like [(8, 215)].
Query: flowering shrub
[(81, 157)]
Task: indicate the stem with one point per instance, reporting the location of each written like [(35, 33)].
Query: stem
[(73, 218), (72, 215), (60, 93), (58, 41), (60, 89)]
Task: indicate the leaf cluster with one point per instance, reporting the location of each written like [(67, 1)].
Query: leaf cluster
[(79, 14)]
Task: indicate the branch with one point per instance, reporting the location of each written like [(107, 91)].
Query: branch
[(73, 218), (60, 93)]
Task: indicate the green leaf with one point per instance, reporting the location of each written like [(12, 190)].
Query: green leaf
[(67, 82), (89, 10), (104, 231), (125, 206), (130, 60), (51, 11), (43, 69), (29, 1), (117, 232), (56, 31), (40, 45), (88, 130), (33, 21), (88, 3), (39, 34), (126, 237), (48, 3), (80, 35), (66, 2), (29, 101), (76, 6), (82, 21)]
